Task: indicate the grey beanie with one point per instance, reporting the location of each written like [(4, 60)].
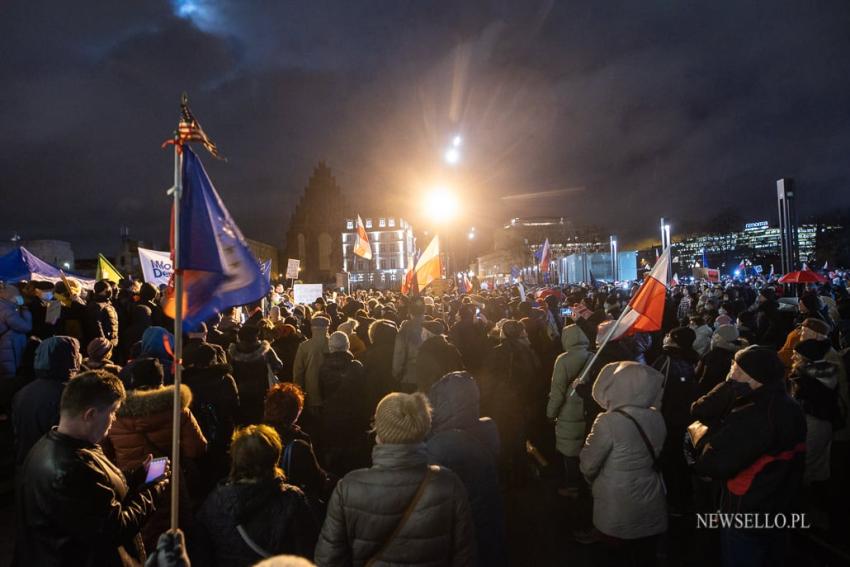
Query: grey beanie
[(338, 342)]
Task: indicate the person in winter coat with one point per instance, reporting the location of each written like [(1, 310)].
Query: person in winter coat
[(158, 344), (811, 328), (215, 405), (469, 446), (255, 513), (143, 426), (286, 342), (508, 388), (35, 408), (367, 507), (437, 357), (703, 334), (350, 327), (619, 349), (255, 367), (410, 337), (101, 319), (308, 360), (753, 421), (566, 407), (99, 353), (74, 506), (677, 364), (284, 404), (814, 383), (142, 314), (714, 366), (345, 415), (377, 360), (15, 325), (469, 335), (37, 297), (772, 326), (619, 459)]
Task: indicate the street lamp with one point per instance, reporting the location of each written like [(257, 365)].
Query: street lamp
[(440, 205), (452, 153)]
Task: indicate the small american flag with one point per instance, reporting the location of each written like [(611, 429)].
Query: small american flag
[(189, 129)]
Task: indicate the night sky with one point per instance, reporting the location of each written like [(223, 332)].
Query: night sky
[(619, 111)]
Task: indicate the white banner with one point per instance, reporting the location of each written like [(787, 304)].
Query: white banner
[(292, 267), (307, 293), (156, 266)]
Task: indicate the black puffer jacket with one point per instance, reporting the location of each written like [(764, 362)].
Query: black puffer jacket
[(757, 450), (254, 366), (74, 507), (274, 515), (101, 320), (367, 505)]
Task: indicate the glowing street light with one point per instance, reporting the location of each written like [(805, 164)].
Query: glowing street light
[(452, 156), (457, 141), (471, 235), (440, 205)]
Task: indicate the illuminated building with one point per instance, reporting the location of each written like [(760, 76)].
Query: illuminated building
[(391, 239), (758, 243)]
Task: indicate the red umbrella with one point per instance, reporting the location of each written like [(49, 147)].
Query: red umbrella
[(802, 277)]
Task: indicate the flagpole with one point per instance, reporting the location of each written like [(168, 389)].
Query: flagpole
[(178, 341), (590, 363)]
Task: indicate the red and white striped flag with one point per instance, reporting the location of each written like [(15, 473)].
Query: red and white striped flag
[(361, 246), (646, 309)]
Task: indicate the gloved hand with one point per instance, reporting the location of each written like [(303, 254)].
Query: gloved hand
[(170, 551)]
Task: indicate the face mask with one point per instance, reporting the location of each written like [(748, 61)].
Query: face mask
[(19, 300)]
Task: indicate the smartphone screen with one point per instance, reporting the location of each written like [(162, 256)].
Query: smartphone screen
[(156, 468)]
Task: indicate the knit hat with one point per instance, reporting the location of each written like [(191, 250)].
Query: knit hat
[(403, 418), (338, 342), (248, 334), (683, 336), (819, 326), (727, 333), (320, 321), (811, 302), (813, 349), (99, 348), (762, 364)]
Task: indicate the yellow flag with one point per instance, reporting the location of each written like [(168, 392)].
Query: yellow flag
[(106, 271)]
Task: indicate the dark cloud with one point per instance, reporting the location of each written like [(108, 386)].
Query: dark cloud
[(655, 108)]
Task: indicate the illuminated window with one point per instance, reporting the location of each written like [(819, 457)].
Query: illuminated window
[(382, 223), (349, 224), (368, 223), (392, 223)]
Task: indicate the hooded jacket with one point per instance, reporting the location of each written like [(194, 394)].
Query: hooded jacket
[(377, 361), (368, 504), (564, 404), (35, 408), (254, 368), (275, 515), (628, 494), (15, 325), (469, 446), (703, 341), (345, 416)]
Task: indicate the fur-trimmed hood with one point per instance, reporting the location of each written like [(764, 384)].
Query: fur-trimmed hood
[(237, 354), (141, 403)]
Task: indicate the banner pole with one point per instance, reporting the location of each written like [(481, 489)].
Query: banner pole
[(592, 360), (178, 341)]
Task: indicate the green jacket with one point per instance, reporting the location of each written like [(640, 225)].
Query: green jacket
[(564, 404)]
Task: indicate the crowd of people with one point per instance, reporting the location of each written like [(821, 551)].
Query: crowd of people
[(375, 428)]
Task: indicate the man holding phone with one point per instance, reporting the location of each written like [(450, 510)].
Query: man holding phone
[(74, 507)]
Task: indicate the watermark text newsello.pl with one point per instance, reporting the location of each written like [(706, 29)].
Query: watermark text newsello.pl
[(717, 520)]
